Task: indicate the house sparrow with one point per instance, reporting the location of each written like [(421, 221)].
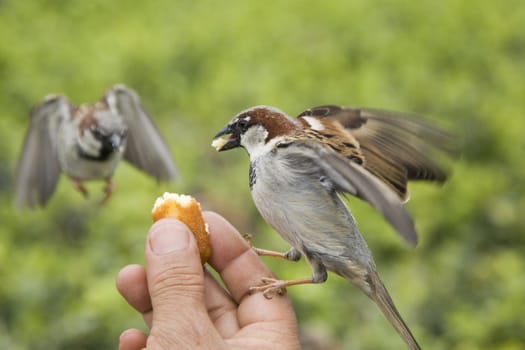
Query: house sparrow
[(87, 143), (300, 167)]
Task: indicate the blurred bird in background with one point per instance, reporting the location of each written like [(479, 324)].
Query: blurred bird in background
[(87, 143)]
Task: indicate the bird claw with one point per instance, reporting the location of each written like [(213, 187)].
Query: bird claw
[(108, 190), (79, 186), (248, 237), (270, 287)]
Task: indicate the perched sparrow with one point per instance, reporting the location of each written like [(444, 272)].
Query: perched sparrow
[(87, 143), (299, 167)]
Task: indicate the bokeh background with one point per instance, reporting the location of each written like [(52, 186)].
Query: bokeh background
[(197, 63)]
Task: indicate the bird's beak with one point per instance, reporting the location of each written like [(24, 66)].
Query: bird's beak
[(115, 140), (222, 144)]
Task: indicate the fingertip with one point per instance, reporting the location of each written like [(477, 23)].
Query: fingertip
[(133, 286), (170, 243), (215, 220), (169, 235), (126, 274), (239, 266), (227, 243), (132, 339)]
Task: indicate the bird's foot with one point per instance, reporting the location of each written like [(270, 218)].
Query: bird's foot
[(272, 286), (108, 190), (248, 237), (79, 186), (262, 252)]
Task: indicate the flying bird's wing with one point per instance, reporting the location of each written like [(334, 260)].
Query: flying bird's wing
[(38, 167), (145, 147), (395, 148), (348, 177)]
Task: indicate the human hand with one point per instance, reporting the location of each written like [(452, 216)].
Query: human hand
[(186, 308)]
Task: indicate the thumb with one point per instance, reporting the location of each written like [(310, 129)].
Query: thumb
[(175, 278)]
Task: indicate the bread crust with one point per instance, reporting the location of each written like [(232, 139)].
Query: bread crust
[(188, 210)]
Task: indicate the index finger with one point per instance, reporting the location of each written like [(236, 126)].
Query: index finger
[(232, 257), (240, 268)]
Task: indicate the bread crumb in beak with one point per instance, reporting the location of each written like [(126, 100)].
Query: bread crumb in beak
[(218, 143)]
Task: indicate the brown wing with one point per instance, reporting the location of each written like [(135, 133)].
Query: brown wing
[(395, 147)]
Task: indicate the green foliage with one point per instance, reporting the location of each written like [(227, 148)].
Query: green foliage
[(197, 63)]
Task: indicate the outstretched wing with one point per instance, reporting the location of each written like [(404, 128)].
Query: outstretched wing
[(395, 147), (145, 147), (348, 177), (38, 167)]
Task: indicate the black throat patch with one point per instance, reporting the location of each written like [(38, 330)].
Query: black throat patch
[(253, 175), (104, 155)]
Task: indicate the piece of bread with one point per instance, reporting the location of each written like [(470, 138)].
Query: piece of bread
[(186, 209)]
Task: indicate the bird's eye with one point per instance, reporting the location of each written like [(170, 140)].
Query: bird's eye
[(96, 133), (243, 123)]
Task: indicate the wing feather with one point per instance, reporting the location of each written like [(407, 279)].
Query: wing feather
[(396, 147), (349, 177), (145, 147), (38, 168)]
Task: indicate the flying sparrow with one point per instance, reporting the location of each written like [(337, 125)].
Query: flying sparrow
[(87, 143), (300, 167)]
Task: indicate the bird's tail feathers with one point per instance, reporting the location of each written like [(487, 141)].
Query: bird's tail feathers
[(383, 300)]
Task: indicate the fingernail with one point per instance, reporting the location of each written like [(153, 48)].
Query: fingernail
[(167, 237)]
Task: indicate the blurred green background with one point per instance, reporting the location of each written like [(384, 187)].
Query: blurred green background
[(197, 63)]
